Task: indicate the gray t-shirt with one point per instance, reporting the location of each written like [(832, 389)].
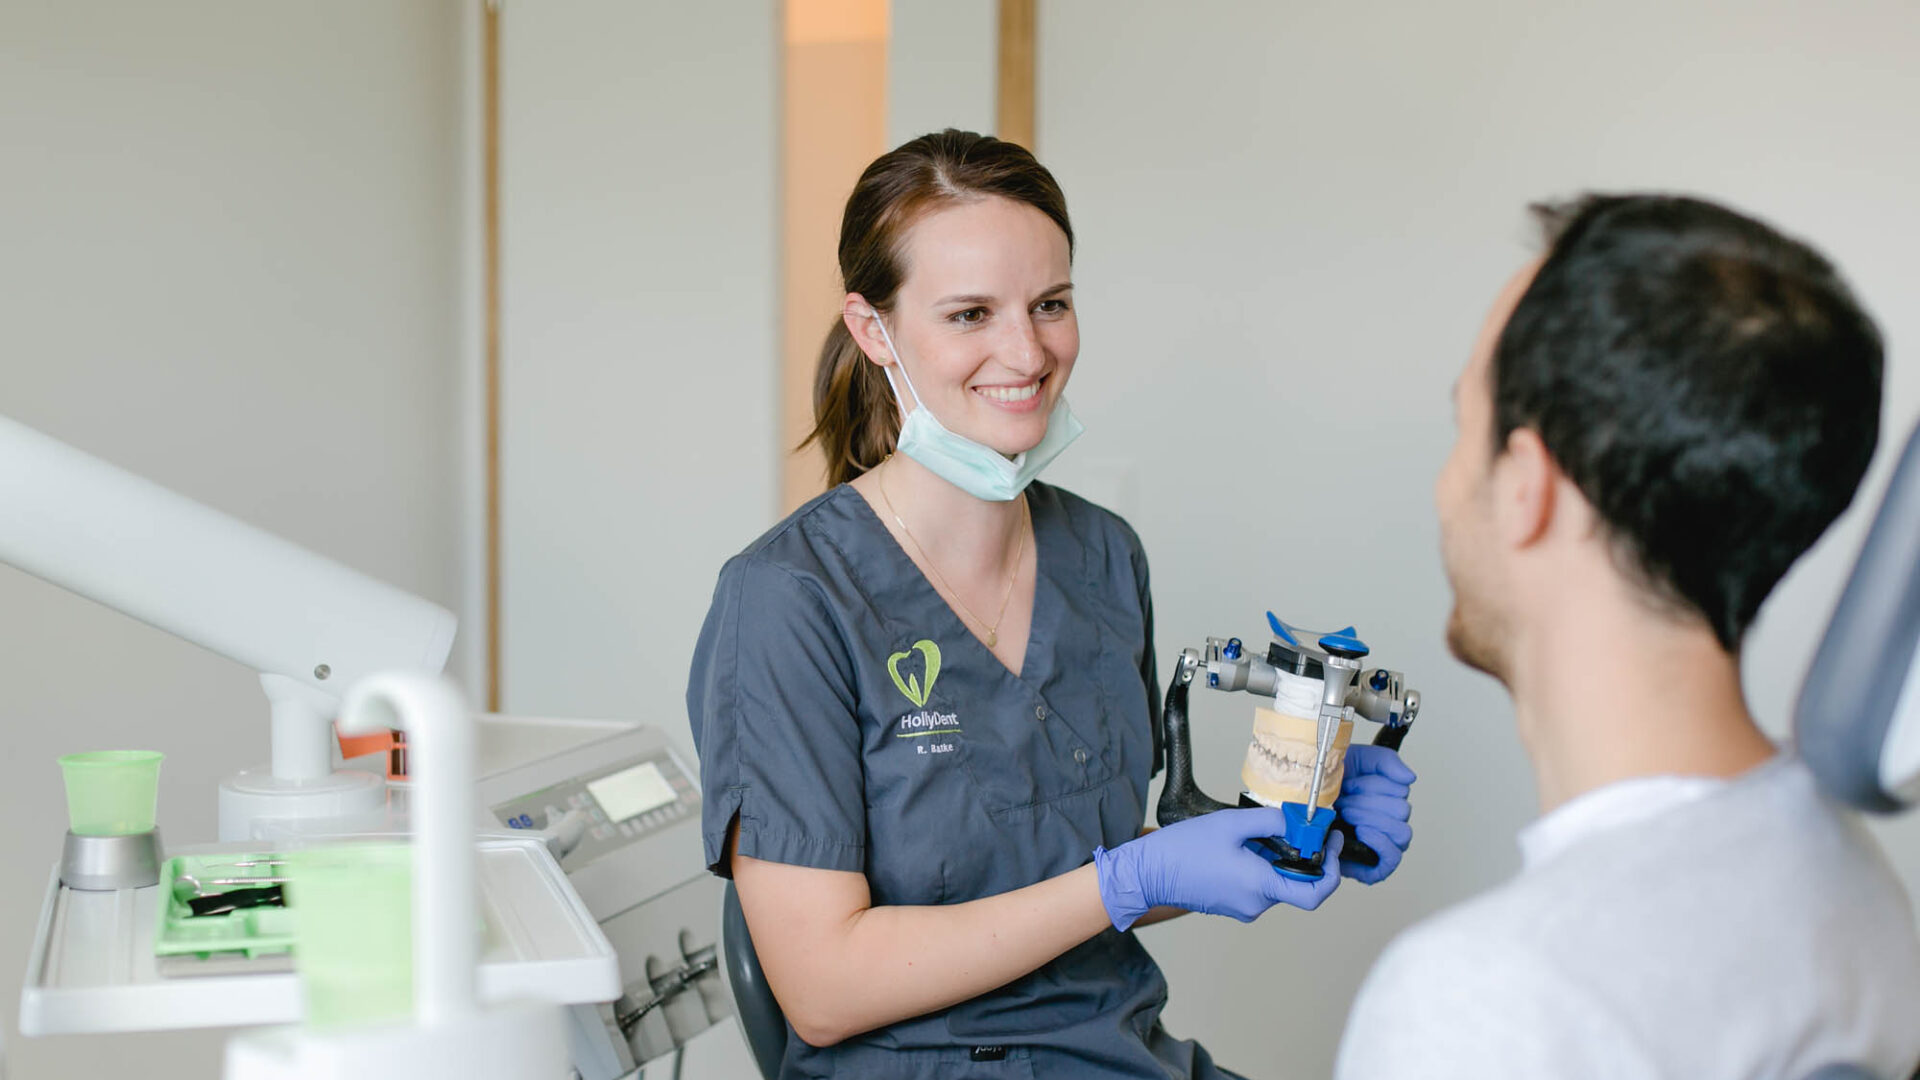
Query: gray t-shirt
[(1664, 927)]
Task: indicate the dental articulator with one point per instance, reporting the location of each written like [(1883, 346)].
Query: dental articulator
[(1316, 686)]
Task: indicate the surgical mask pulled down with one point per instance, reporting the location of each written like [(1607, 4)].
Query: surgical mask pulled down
[(979, 470)]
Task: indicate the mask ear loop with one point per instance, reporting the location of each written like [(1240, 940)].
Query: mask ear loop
[(901, 364)]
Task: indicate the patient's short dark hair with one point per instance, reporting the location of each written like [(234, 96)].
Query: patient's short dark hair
[(1711, 386)]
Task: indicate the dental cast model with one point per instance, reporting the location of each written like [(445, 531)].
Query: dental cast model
[(1279, 763)]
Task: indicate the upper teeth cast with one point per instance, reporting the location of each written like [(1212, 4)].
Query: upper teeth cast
[(1011, 393)]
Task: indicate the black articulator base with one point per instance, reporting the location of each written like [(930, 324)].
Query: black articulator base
[(1181, 798)]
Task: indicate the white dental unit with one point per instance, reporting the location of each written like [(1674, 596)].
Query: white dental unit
[(621, 806), (589, 872)]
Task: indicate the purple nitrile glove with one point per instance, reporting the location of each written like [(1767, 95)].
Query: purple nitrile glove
[(1203, 864), (1373, 799)]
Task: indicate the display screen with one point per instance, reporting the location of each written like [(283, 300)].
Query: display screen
[(632, 791)]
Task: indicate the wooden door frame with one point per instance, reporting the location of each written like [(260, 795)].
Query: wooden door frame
[(1013, 101)]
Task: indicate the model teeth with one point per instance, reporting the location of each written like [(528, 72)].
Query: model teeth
[(1280, 760), (1011, 393), (1279, 766)]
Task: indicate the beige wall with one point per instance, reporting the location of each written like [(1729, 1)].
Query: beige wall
[(229, 266), (834, 124)]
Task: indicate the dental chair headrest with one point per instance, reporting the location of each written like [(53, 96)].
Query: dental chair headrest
[(1857, 724)]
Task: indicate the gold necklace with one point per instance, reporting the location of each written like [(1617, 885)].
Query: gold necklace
[(993, 629)]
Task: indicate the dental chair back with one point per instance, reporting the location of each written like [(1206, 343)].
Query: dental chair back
[(761, 1020), (1857, 723)]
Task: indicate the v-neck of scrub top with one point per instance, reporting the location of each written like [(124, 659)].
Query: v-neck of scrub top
[(909, 578)]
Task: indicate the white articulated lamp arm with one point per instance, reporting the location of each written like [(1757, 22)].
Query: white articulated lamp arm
[(309, 625), (128, 543)]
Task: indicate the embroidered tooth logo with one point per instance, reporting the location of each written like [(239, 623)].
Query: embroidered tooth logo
[(911, 686)]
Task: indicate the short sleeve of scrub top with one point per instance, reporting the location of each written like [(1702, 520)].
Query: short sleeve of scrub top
[(850, 721), (781, 692)]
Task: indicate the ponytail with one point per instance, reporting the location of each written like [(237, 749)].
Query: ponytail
[(855, 420)]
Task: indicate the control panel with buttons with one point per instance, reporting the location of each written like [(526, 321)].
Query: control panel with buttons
[(624, 802)]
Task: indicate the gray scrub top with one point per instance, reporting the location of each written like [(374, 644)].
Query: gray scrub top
[(851, 721)]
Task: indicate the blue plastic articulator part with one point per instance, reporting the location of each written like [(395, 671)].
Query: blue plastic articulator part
[(1342, 642)]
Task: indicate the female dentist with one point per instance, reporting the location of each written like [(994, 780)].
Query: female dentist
[(924, 701)]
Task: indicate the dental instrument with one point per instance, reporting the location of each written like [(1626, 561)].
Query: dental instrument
[(1302, 671)]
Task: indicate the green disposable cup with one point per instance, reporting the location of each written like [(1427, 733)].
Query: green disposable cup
[(352, 908), (112, 792)]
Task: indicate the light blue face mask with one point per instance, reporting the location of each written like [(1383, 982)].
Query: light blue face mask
[(979, 470)]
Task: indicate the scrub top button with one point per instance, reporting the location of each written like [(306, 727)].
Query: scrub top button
[(1080, 754), (1039, 712)]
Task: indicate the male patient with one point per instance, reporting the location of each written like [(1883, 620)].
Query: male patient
[(1662, 413)]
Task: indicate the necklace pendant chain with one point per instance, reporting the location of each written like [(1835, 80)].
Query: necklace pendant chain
[(993, 628)]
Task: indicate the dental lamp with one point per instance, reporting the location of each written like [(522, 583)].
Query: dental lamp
[(310, 626)]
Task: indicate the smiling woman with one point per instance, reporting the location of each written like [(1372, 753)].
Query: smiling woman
[(999, 216), (925, 700)]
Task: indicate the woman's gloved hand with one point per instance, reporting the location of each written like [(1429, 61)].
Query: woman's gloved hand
[(1373, 799), (1203, 864)]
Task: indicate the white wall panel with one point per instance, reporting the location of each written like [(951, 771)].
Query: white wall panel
[(941, 67), (639, 345)]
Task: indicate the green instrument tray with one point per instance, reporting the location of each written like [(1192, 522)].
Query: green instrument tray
[(257, 931)]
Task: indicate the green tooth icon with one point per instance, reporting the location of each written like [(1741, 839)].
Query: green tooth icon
[(911, 686)]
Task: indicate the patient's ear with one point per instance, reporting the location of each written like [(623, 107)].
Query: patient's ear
[(1525, 485)]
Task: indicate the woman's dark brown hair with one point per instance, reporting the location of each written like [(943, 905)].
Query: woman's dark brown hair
[(855, 420)]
